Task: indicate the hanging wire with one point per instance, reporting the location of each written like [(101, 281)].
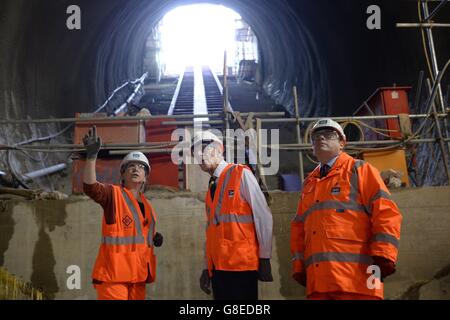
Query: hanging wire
[(15, 146)]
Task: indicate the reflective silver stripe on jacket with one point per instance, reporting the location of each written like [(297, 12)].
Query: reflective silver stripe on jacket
[(237, 218), (354, 185), (385, 237), (381, 194), (139, 238), (298, 256), (352, 204), (151, 230), (338, 257), (221, 194), (331, 204), (123, 240)]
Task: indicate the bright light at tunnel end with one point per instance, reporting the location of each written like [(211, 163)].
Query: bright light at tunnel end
[(198, 35)]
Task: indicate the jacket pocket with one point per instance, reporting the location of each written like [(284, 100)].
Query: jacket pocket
[(237, 255), (122, 267), (346, 232)]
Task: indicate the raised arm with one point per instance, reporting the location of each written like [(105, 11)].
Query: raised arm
[(92, 144)]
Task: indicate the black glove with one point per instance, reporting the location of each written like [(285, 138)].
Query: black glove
[(387, 267), (205, 282), (265, 270), (158, 239), (300, 277), (92, 143)]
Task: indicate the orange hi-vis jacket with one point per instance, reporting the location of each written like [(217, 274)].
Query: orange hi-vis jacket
[(343, 220), (126, 252), (231, 241)]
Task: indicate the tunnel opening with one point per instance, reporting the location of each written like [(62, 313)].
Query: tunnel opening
[(200, 34)]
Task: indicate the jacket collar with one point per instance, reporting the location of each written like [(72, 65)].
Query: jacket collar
[(222, 165), (340, 161)]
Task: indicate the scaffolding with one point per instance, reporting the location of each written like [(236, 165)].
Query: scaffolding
[(246, 55), (438, 104), (245, 121)]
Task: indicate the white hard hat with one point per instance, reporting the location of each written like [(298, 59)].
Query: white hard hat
[(205, 137), (328, 123), (135, 156)]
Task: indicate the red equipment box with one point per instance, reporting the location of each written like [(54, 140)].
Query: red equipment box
[(108, 171), (126, 131), (164, 171), (385, 101)]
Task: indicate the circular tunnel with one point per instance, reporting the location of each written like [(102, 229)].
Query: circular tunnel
[(322, 47), (62, 71), (286, 59)]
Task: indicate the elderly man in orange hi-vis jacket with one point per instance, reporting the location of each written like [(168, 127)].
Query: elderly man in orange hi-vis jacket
[(126, 260), (345, 235), (239, 225)]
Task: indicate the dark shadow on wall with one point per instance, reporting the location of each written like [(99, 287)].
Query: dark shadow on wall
[(49, 215), (285, 210), (6, 228)]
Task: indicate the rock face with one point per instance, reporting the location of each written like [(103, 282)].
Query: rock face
[(436, 290)]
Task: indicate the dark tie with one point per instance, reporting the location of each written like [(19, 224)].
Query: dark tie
[(212, 186), (324, 168)]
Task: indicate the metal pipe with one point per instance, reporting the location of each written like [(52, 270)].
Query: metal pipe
[(419, 90), (440, 137), (43, 172), (375, 142), (433, 58), (226, 123), (423, 25), (412, 116), (438, 7), (308, 147), (121, 152), (140, 83), (189, 123), (102, 119), (146, 146), (299, 136)]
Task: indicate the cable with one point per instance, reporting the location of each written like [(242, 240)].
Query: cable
[(52, 136)]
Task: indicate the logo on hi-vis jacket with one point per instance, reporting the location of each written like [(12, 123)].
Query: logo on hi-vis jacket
[(335, 191), (127, 221)]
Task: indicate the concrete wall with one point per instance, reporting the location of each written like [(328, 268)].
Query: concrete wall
[(39, 240)]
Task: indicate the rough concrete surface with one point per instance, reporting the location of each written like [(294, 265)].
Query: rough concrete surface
[(39, 240)]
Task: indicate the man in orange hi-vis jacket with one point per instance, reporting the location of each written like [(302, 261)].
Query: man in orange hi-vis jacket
[(126, 260), (345, 235), (239, 225)]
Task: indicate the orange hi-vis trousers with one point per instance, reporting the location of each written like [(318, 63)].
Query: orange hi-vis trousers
[(120, 291), (338, 295)]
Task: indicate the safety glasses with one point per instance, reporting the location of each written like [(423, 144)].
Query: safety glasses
[(327, 134)]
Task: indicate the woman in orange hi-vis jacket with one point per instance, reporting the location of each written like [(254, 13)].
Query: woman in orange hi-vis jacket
[(345, 235), (126, 260)]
